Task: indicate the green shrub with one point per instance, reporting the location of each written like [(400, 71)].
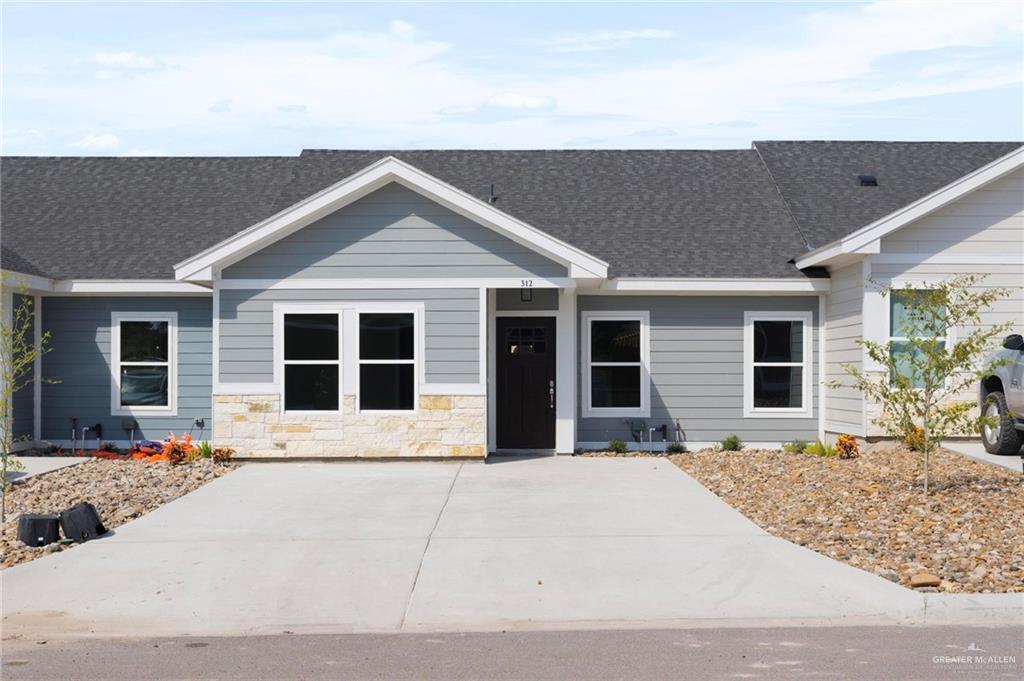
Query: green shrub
[(617, 446), (204, 450), (795, 446), (675, 448), (819, 448), (731, 443)]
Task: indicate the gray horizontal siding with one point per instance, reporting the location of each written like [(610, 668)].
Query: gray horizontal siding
[(80, 360), (544, 299), (394, 232), (23, 401), (697, 368), (451, 329)]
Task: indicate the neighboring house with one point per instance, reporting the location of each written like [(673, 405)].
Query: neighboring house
[(455, 303)]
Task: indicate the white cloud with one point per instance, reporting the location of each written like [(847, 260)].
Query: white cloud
[(511, 100), (222, 106), (145, 152), (604, 40), (126, 60), (397, 86), (403, 29), (99, 141)]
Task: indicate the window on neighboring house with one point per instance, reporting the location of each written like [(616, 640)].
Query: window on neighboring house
[(617, 381), (777, 352), (905, 323), (311, 362), (387, 361), (143, 350)]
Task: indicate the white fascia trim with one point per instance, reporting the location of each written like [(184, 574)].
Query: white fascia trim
[(32, 282), (360, 184), (123, 287), (130, 287), (752, 286), (804, 412), (365, 283), (862, 241)]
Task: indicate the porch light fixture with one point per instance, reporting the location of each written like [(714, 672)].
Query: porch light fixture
[(526, 295)]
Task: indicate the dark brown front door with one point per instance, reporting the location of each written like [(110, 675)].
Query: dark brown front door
[(526, 382)]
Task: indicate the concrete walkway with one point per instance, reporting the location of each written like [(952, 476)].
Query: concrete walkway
[(554, 543), (36, 465), (976, 451)]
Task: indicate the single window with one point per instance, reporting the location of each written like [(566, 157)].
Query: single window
[(144, 362), (906, 322), (311, 364), (387, 361), (776, 350), (617, 371)]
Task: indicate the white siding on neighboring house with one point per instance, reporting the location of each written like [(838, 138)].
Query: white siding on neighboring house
[(982, 233), (989, 221), (843, 324)]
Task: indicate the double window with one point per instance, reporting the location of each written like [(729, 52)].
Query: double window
[(380, 366), (905, 323), (616, 355), (777, 375), (143, 350)]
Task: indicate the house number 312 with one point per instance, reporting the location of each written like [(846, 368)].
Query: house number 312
[(526, 283)]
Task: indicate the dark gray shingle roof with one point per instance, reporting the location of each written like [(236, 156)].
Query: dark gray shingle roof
[(819, 179), (648, 213)]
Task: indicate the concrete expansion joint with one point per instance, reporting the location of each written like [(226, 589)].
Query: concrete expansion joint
[(426, 547)]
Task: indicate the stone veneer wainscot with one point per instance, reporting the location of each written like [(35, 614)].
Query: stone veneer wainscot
[(450, 426)]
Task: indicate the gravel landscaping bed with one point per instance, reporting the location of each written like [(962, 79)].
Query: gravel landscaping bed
[(120, 491), (871, 513)]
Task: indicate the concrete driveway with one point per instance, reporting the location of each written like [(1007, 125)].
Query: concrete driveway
[(543, 543)]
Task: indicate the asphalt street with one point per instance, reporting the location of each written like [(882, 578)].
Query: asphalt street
[(875, 653)]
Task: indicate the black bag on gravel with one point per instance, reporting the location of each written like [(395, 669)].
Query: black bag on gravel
[(37, 529), (81, 522)]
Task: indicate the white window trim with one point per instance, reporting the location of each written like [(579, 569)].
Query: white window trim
[(116, 408), (348, 352), (280, 362), (805, 411), (416, 361), (915, 285), (878, 310), (644, 317)]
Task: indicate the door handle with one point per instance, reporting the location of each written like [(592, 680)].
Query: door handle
[(551, 394)]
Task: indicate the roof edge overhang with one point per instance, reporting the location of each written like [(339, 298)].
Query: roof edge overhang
[(206, 265), (33, 283), (718, 286), (867, 239)]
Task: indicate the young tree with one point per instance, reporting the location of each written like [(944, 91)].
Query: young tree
[(923, 375), (18, 353)]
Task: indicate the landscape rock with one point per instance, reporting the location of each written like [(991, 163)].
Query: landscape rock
[(121, 490), (924, 579)]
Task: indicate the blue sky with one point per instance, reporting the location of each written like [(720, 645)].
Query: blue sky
[(272, 78)]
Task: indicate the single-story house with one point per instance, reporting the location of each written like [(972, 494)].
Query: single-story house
[(459, 303)]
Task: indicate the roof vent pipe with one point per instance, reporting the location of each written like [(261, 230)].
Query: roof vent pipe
[(491, 197)]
